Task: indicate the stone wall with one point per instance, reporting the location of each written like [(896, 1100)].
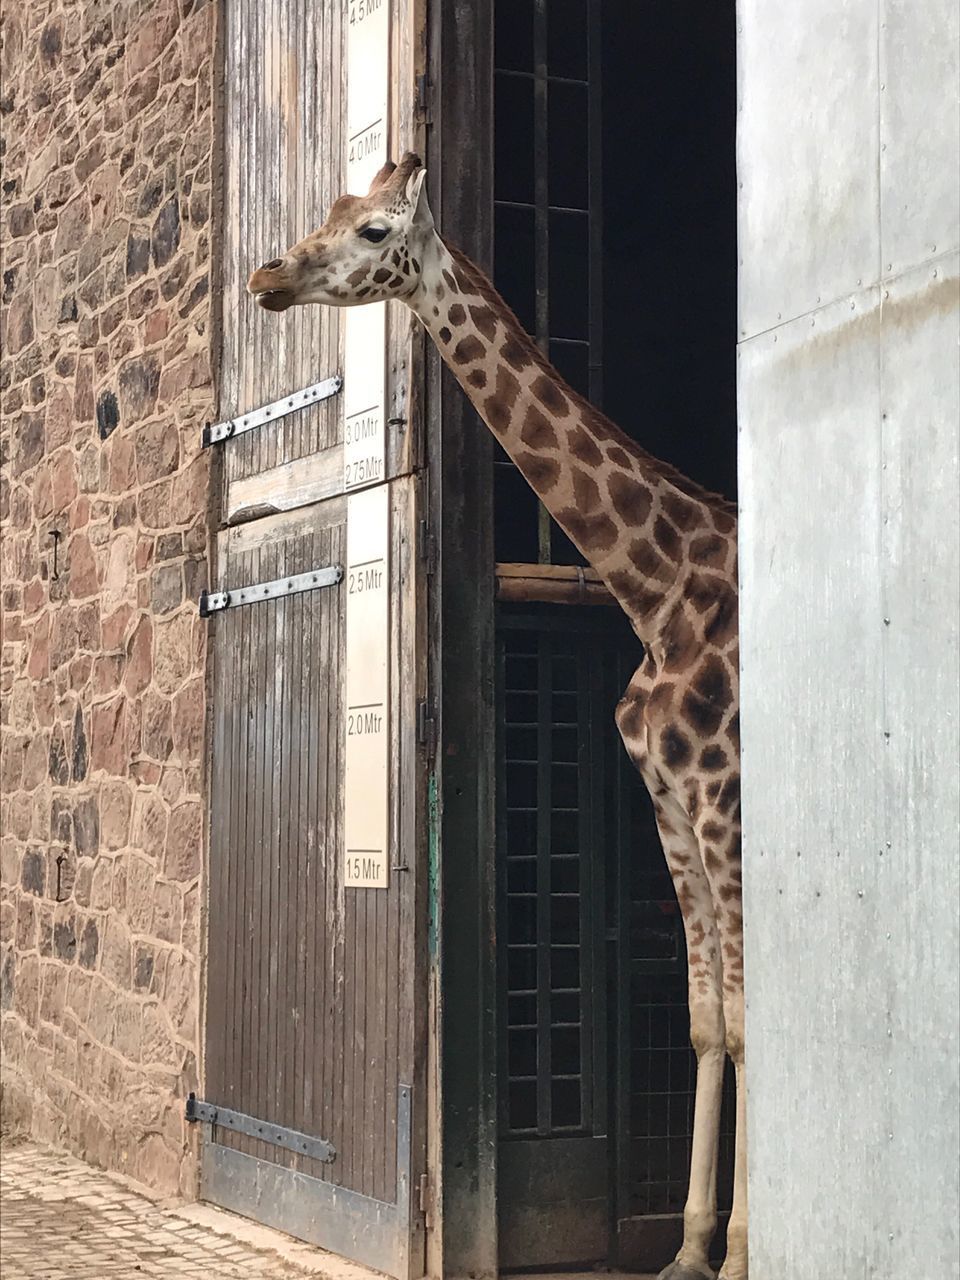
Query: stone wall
[(108, 132)]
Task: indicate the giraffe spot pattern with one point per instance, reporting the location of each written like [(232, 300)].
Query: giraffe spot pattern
[(499, 406), (707, 699), (444, 334), (619, 457), (631, 499), (729, 796), (485, 320), (722, 627), (456, 315), (712, 861), (708, 549), (630, 590), (645, 558), (549, 395), (515, 354), (599, 426), (382, 275), (678, 640), (543, 473), (477, 378), (468, 349), (451, 282), (586, 494), (682, 512), (712, 759), (592, 533), (667, 538), (358, 276), (629, 717), (661, 697), (583, 447), (536, 431)]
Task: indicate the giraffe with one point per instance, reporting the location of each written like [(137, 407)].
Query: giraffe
[(665, 548)]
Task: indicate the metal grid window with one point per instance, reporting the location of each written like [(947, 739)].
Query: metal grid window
[(546, 892), (548, 222)]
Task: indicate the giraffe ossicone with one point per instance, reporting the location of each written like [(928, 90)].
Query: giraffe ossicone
[(665, 547)]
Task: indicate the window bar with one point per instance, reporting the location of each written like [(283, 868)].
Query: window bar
[(502, 915), (595, 202), (544, 807), (541, 192)]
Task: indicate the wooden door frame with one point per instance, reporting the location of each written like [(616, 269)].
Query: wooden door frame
[(462, 657)]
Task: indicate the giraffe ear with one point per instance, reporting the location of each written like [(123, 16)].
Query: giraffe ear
[(417, 196), (381, 176)]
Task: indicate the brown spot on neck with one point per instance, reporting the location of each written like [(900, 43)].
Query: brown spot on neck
[(485, 320), (583, 447), (592, 533), (537, 432), (498, 408), (515, 354), (631, 499), (585, 491), (543, 473), (468, 349), (550, 396)]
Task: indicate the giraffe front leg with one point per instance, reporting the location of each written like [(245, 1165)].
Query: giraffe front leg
[(735, 1263), (707, 1035)]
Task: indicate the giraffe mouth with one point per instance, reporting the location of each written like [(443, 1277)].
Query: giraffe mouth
[(275, 299)]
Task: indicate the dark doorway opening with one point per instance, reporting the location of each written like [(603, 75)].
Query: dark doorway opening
[(615, 243)]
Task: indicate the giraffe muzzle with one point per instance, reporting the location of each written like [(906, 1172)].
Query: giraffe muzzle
[(275, 299)]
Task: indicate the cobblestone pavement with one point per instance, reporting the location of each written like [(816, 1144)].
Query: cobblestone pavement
[(62, 1220)]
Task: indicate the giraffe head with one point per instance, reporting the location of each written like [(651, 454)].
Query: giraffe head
[(369, 249)]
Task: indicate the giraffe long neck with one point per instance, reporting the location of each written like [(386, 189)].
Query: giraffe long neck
[(638, 522)]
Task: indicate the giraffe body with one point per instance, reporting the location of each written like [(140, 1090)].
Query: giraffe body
[(666, 549)]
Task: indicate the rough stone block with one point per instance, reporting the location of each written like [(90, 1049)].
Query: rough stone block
[(182, 858), (115, 805)]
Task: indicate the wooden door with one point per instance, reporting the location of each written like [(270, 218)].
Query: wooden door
[(313, 1106), (314, 1010)]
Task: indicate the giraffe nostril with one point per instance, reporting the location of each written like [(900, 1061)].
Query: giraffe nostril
[(272, 266)]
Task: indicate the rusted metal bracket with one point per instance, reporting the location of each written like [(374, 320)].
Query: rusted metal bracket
[(303, 1144), (317, 391), (217, 601)]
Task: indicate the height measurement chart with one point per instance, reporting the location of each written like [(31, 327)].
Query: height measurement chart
[(367, 762), (368, 84), (366, 711)]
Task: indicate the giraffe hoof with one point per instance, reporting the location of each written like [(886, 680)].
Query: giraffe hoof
[(681, 1271)]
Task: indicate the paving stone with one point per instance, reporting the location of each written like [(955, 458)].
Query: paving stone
[(60, 1223)]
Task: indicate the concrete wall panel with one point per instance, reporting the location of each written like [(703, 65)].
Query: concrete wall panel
[(919, 131), (850, 555), (807, 156)]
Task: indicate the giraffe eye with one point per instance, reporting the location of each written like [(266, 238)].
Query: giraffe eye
[(374, 234)]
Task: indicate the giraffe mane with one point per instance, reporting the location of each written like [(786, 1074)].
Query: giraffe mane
[(480, 284)]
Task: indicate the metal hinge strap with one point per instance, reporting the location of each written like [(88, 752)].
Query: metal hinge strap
[(216, 601), (317, 391), (427, 547), (426, 726), (275, 1134)]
